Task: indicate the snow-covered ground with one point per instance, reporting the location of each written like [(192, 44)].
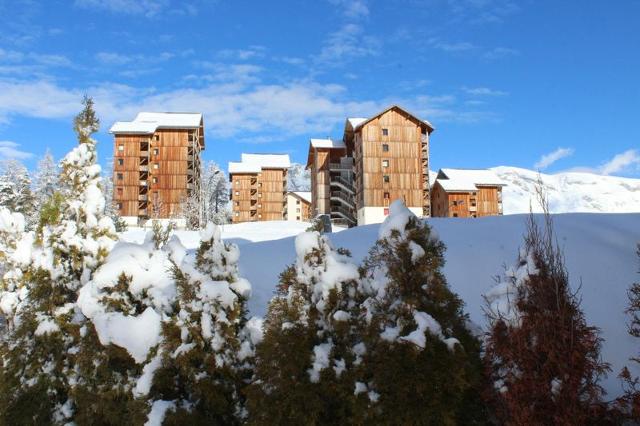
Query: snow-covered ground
[(599, 249), (569, 192)]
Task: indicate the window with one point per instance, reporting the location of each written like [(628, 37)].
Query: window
[(237, 214), (157, 137), (385, 163), (386, 211), (385, 132), (237, 182), (119, 191), (154, 180), (297, 210), (237, 203), (386, 196), (156, 151), (156, 166), (260, 215), (237, 193), (120, 176), (385, 147), (119, 205), (298, 202), (455, 215), (297, 217), (385, 178), (260, 195), (120, 147), (120, 161)]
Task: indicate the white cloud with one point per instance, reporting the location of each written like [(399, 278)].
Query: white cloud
[(347, 43), (118, 59), (483, 91), (500, 52), (251, 52), (462, 46), (550, 158), (147, 8), (11, 150), (352, 8), (621, 162)]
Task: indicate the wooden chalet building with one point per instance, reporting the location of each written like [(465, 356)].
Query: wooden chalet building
[(379, 160), (298, 206), (466, 193), (259, 187), (156, 165)]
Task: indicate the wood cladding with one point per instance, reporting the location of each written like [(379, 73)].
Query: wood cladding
[(485, 201), (258, 196), (154, 174)]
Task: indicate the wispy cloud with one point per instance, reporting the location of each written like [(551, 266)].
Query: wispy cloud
[(621, 162), (483, 11), (148, 8), (347, 43), (252, 52), (483, 91), (11, 150), (354, 9), (550, 158), (500, 52), (461, 46), (115, 58)]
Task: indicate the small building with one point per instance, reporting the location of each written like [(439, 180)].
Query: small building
[(466, 193), (156, 165), (298, 205), (259, 187)]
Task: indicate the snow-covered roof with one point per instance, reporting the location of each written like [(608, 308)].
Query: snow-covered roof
[(355, 122), (467, 179), (149, 122), (305, 195), (327, 143), (240, 167), (254, 163)]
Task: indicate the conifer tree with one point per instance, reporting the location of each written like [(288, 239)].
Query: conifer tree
[(305, 362), (420, 363), (15, 190), (206, 347), (630, 401), (45, 180), (40, 355), (542, 357)]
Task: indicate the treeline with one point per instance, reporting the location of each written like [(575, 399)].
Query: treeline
[(103, 332)]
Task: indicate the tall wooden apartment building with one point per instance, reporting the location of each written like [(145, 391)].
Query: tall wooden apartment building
[(467, 193), (259, 187), (379, 160), (156, 165)]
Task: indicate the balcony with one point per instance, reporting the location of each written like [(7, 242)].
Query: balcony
[(143, 183), (343, 197), (343, 183), (343, 214), (143, 197), (144, 168), (340, 167)]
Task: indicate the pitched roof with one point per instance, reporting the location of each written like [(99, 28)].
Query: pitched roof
[(466, 180), (359, 122), (327, 143), (254, 163), (305, 195), (149, 122), (268, 161)]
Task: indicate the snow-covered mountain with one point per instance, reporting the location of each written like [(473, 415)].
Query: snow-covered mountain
[(298, 179), (569, 192)]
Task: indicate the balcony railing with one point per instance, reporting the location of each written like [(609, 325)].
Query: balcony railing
[(344, 183), (340, 166), (343, 197)]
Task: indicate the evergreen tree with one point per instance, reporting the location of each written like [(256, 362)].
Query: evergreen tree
[(215, 194), (40, 355), (305, 362), (420, 362), (46, 179), (207, 342), (630, 402), (542, 357), (15, 190)]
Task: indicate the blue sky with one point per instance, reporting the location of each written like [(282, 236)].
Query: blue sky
[(549, 84)]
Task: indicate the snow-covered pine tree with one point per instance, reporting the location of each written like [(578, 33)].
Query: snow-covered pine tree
[(215, 194), (45, 181), (15, 191), (542, 358), (420, 363), (40, 354), (630, 402), (207, 341), (305, 362)]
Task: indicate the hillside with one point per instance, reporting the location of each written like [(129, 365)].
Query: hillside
[(569, 192), (600, 257)]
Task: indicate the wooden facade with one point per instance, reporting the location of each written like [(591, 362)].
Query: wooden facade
[(391, 156), (298, 206), (466, 200), (258, 193), (383, 159), (155, 172)]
